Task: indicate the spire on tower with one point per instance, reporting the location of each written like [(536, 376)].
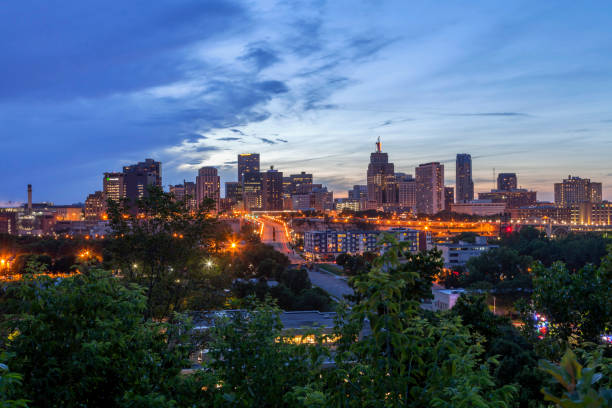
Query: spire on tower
[(378, 145)]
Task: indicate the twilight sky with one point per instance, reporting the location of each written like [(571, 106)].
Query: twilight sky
[(89, 86)]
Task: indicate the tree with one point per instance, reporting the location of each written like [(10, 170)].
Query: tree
[(496, 265), (388, 354), (9, 384), (582, 386), (82, 341), (162, 246)]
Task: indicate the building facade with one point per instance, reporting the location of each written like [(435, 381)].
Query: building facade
[(449, 198), (512, 198), (381, 180), (507, 181), (430, 188), (576, 190), (272, 190), (463, 178), (208, 185)]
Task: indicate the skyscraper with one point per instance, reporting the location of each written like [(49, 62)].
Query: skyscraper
[(449, 197), (249, 178), (430, 188), (95, 206), (506, 181), (113, 186), (406, 187), (575, 190), (248, 167), (149, 167), (463, 178), (272, 190), (232, 191), (208, 185), (381, 180)]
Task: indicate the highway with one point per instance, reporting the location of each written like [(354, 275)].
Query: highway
[(273, 233)]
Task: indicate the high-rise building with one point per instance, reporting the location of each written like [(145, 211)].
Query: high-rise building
[(358, 192), (95, 206), (248, 167), (208, 185), (449, 197), (381, 180), (515, 198), (406, 191), (463, 178), (299, 180), (232, 191), (430, 188), (576, 190), (507, 181), (113, 186), (178, 191), (149, 167), (272, 190)]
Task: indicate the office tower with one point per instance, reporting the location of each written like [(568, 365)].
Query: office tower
[(95, 206), (248, 167), (149, 167), (208, 186), (232, 191), (358, 192), (381, 180), (190, 195), (406, 191), (178, 191), (463, 178), (113, 186), (506, 181), (430, 188), (272, 190), (449, 197), (575, 190), (515, 198), (298, 180)]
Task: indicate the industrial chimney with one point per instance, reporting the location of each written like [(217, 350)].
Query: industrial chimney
[(29, 198)]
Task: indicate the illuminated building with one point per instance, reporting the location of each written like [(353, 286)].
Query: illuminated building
[(406, 192), (333, 243), (575, 190), (479, 207), (543, 213), (113, 186), (208, 185), (381, 180), (592, 213), (178, 191), (358, 192), (512, 198), (67, 212), (232, 191), (248, 167), (272, 190), (449, 197), (95, 206), (149, 167), (342, 204), (299, 180), (190, 195), (430, 188), (8, 221), (459, 254), (319, 199), (507, 181), (463, 178)]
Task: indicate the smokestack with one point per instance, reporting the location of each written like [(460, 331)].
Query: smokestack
[(29, 198)]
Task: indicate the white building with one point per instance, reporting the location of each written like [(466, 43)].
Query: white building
[(458, 254)]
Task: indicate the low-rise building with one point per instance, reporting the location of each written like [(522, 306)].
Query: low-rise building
[(484, 208), (458, 254)]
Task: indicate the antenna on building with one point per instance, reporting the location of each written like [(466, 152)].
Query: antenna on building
[(378, 145)]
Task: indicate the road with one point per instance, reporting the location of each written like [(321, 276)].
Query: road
[(273, 233)]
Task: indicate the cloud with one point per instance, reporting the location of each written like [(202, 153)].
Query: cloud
[(274, 87), (278, 139), (267, 141), (491, 114), (260, 55), (240, 132), (229, 139)]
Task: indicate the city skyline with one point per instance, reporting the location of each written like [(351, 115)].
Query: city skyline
[(509, 84)]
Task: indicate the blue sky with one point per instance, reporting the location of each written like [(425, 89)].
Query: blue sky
[(86, 87)]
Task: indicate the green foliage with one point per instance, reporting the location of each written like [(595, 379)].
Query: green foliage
[(580, 385), (162, 247), (401, 358), (556, 290), (255, 364), (497, 266), (81, 341), (9, 385)]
